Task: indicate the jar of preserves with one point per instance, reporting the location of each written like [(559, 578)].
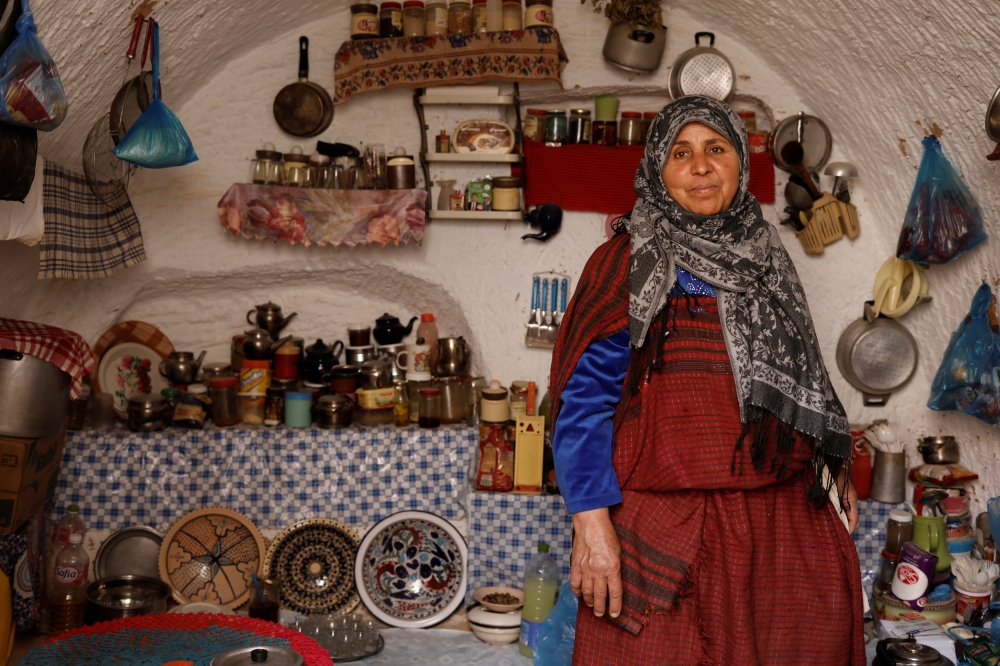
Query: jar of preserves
[(414, 18), (579, 126), (274, 409), (630, 129), (400, 404), (459, 17), (225, 401), (430, 408), (749, 119), (390, 19), (436, 18), (506, 193), (513, 15), (518, 399), (478, 15), (364, 21), (534, 125), (538, 13), (556, 127), (605, 133)]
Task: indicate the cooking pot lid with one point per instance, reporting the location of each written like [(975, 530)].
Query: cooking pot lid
[(146, 400), (331, 402), (255, 654), (914, 653), (319, 348)]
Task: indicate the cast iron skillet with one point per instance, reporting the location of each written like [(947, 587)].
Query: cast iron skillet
[(303, 108)]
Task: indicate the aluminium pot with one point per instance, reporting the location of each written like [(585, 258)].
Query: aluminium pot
[(942, 450), (125, 596), (638, 49), (34, 396)]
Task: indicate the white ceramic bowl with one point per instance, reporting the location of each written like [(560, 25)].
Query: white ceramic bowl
[(481, 594), (495, 635), (484, 617)]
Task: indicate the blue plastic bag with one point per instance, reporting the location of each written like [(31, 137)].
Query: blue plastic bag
[(967, 378), (943, 219), (157, 140), (554, 646), (31, 92)]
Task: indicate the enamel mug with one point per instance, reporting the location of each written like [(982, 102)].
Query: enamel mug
[(415, 360)]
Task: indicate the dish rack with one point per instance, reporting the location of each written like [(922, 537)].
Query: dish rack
[(831, 219)]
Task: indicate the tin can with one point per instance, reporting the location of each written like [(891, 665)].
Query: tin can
[(255, 377)]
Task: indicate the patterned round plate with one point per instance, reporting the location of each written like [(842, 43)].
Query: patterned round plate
[(209, 555), (128, 369), (315, 561), (128, 331), (411, 569)]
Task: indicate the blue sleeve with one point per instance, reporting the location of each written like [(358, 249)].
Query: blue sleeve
[(583, 443)]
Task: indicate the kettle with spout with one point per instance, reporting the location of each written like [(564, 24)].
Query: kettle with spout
[(258, 345), (269, 318), (390, 331)]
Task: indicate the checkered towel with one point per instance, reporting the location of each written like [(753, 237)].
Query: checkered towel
[(62, 348), (83, 237)]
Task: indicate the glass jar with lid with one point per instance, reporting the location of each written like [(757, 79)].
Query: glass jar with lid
[(506, 193), (478, 15), (364, 20), (320, 172), (459, 17), (296, 168), (534, 125), (647, 121), (225, 401), (436, 18), (518, 399), (538, 13), (605, 133), (579, 126), (630, 129), (430, 408), (267, 166), (390, 19), (556, 127), (414, 18), (513, 15)]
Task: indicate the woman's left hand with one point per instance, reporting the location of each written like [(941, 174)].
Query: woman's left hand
[(850, 499)]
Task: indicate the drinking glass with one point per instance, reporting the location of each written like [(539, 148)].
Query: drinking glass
[(375, 161)]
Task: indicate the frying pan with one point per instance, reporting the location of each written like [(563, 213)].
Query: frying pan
[(877, 356), (993, 125), (303, 108)]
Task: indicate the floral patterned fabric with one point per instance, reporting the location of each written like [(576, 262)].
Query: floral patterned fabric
[(361, 65), (308, 216)]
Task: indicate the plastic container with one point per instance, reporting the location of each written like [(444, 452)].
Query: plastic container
[(459, 17), (414, 18), (506, 193), (225, 401), (494, 15), (538, 13), (898, 530), (255, 377), (71, 523), (390, 20), (68, 601), (975, 596), (436, 18), (513, 15), (606, 107), (428, 330), (381, 416), (541, 583), (630, 130), (298, 409), (364, 21), (478, 15)]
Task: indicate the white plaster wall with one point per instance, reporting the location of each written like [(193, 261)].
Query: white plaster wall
[(879, 73)]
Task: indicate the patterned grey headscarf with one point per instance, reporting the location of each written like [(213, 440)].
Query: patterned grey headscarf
[(768, 330)]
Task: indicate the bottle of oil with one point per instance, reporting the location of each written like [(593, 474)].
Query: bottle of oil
[(541, 582), (69, 583)]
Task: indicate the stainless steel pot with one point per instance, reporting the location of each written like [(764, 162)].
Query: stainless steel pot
[(147, 412), (702, 71), (637, 49), (334, 411), (358, 355), (34, 396), (376, 374), (454, 357), (939, 450), (125, 596)]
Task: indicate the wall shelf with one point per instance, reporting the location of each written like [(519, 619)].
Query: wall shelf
[(481, 215), (509, 158), (455, 98)]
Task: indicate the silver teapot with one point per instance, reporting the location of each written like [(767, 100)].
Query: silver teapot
[(258, 345), (269, 318), (181, 368)]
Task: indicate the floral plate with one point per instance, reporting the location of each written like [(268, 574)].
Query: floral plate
[(314, 559), (209, 555), (128, 369), (411, 570)]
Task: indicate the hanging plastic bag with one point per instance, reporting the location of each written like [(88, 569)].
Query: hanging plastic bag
[(972, 355), (557, 634), (157, 140), (943, 218), (30, 88)]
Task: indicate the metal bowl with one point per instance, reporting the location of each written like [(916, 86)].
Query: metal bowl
[(125, 596), (941, 450)]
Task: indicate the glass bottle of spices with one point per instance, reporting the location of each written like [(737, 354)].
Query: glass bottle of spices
[(274, 410), (436, 18), (459, 17), (225, 401), (401, 404), (579, 126), (605, 133), (630, 129), (414, 18), (390, 19), (538, 13), (443, 142), (518, 399), (296, 168), (513, 15), (556, 127), (364, 21), (534, 125), (478, 15), (262, 169)]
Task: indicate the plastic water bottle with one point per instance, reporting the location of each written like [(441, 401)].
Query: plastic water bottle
[(541, 582), (70, 523), (69, 584)]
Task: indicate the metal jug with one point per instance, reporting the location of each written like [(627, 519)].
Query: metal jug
[(889, 478)]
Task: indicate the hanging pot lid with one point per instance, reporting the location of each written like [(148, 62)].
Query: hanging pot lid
[(808, 130)]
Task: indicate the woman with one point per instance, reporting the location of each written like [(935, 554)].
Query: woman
[(697, 433)]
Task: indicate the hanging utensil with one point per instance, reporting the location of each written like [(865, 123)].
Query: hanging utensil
[(702, 71), (554, 324), (877, 356), (841, 172), (793, 153), (809, 131), (562, 305), (303, 108), (134, 96), (533, 322), (130, 54)]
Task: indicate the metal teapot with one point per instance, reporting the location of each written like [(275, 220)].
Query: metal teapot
[(180, 368), (319, 358), (258, 344), (390, 331), (269, 318)]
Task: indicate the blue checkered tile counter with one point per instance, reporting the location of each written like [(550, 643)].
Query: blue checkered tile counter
[(274, 476)]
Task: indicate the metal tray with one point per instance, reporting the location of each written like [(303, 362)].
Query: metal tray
[(378, 648), (130, 551)]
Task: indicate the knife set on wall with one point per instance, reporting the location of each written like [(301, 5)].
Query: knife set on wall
[(546, 310)]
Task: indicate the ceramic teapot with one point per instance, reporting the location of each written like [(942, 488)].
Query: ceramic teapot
[(319, 358), (180, 368), (390, 331), (258, 345), (269, 318)]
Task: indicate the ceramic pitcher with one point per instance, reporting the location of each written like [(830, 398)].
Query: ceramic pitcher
[(929, 534)]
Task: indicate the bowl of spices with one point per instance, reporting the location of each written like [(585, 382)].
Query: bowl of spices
[(499, 598)]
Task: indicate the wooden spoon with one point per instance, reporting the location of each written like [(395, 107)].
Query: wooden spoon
[(793, 154)]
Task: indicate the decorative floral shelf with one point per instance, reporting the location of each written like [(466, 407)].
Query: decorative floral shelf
[(362, 65), (321, 217)]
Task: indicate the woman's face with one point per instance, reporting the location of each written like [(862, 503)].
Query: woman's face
[(703, 170)]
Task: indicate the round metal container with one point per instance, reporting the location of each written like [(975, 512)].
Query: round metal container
[(130, 551), (939, 450), (125, 596), (147, 412), (250, 656), (638, 49), (34, 396)]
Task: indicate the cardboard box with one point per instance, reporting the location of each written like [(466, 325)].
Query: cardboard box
[(24, 461), (529, 452), (16, 508)]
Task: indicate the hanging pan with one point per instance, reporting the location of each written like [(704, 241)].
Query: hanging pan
[(809, 131), (993, 125), (136, 94), (303, 108), (877, 356), (702, 71)]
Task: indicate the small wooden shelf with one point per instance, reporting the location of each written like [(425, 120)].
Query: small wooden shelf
[(509, 158), (454, 98), (483, 215)]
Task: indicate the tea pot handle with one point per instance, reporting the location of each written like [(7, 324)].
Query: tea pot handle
[(250, 312), (337, 351)]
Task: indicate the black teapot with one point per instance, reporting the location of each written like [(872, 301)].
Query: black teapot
[(319, 358), (390, 331)]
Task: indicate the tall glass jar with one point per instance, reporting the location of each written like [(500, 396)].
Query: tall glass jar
[(430, 408), (459, 17), (534, 125), (225, 401), (414, 18), (630, 130), (296, 170), (605, 133), (478, 15), (390, 19), (518, 399), (364, 20), (265, 600), (436, 18), (513, 15), (401, 404), (267, 166), (556, 127), (579, 126)]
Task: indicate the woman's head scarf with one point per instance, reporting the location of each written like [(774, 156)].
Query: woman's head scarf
[(769, 332)]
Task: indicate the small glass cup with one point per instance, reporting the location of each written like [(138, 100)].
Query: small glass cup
[(345, 644), (268, 607)]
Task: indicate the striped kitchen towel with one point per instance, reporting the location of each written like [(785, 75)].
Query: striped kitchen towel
[(83, 237)]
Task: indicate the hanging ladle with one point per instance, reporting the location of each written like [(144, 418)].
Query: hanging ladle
[(793, 154)]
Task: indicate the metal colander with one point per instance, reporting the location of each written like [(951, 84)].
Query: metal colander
[(877, 356), (702, 71), (106, 175)]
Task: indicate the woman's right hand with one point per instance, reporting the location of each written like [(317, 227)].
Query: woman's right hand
[(596, 562)]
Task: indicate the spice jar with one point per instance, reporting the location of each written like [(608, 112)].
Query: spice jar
[(579, 126), (518, 399), (430, 408), (443, 142), (414, 18), (630, 129), (459, 17), (478, 15), (296, 168), (200, 393), (274, 409), (605, 133), (267, 166), (436, 18), (534, 125), (513, 15), (898, 530), (364, 21), (225, 401), (506, 195), (390, 19), (538, 13), (321, 172), (400, 404), (556, 127)]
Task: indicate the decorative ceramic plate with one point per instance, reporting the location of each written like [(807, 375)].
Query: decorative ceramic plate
[(411, 569), (128, 369), (129, 331), (209, 555), (200, 607), (315, 561), (133, 550)]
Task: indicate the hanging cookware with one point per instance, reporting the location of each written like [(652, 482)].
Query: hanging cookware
[(634, 49), (136, 94), (877, 356), (303, 108), (899, 285), (993, 125), (34, 396), (809, 131), (702, 71)]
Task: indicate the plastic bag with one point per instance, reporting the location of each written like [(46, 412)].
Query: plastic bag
[(157, 140), (557, 634), (30, 88), (943, 218)]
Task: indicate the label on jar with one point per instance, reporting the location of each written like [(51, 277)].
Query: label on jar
[(397, 19), (538, 15), (364, 24), (441, 18), (255, 380), (530, 126)]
